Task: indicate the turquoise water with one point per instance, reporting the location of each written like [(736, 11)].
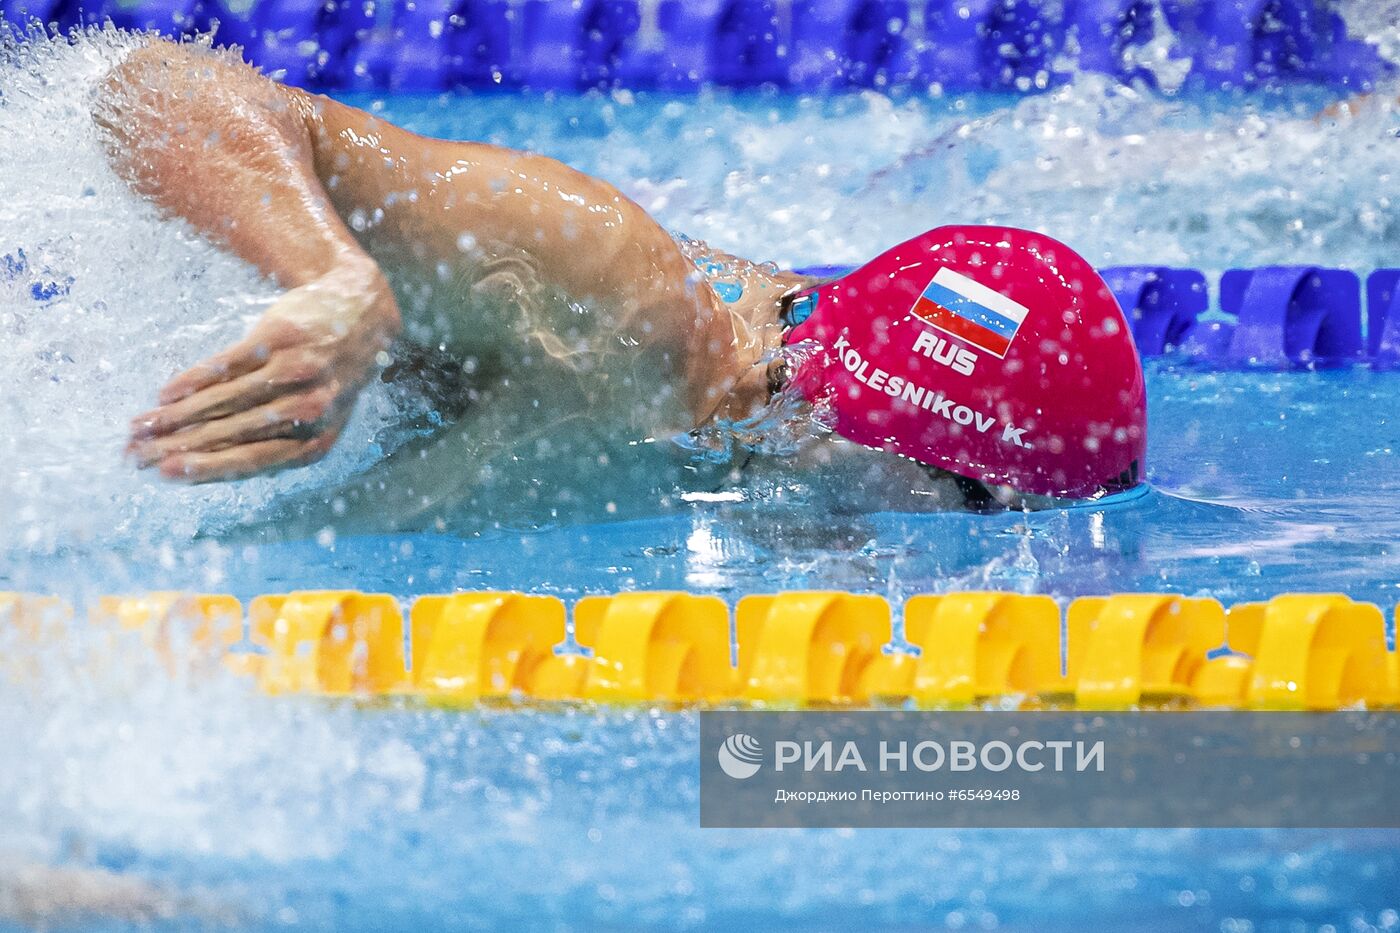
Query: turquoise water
[(191, 803)]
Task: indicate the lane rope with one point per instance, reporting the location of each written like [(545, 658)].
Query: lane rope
[(789, 650)]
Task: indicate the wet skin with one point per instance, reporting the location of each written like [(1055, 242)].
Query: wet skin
[(352, 215)]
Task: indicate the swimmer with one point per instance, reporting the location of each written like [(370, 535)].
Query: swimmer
[(390, 244)]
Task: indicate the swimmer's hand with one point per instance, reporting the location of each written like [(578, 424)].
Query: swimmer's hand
[(280, 397)]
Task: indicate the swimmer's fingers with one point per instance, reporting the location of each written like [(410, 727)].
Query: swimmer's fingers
[(282, 376), (247, 459), (250, 354), (240, 359), (300, 416)]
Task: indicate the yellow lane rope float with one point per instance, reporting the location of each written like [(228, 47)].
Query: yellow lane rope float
[(799, 649)]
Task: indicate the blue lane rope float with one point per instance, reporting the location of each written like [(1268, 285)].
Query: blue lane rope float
[(567, 46), (1383, 318), (446, 44), (1108, 31), (991, 44), (795, 649), (1293, 314), (837, 43), (959, 45), (672, 51), (1162, 304)]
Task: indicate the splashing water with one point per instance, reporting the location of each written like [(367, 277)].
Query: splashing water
[(1375, 21), (101, 301), (139, 750), (1123, 176)]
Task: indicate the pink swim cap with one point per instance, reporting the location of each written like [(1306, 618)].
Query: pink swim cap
[(994, 353)]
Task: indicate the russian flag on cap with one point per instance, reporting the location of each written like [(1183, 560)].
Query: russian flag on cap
[(971, 312)]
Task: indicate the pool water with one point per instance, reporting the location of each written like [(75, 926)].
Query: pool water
[(190, 802)]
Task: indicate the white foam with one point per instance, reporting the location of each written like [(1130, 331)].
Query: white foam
[(106, 744), (133, 299)]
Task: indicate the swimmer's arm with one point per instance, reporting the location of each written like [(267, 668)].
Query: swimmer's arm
[(213, 143), (438, 201)]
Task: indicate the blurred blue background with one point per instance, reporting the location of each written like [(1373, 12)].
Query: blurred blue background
[(954, 45)]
